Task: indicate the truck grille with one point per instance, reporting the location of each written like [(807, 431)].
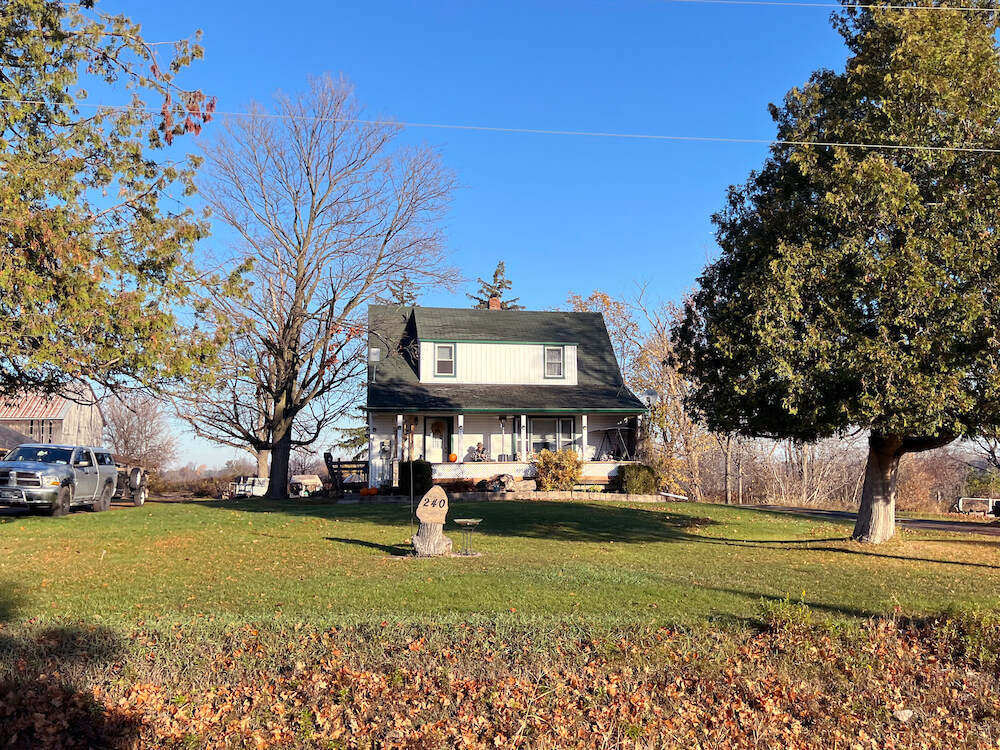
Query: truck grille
[(20, 479)]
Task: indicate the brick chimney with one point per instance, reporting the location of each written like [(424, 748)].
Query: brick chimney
[(494, 303)]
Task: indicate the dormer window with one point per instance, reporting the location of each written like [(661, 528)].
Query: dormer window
[(554, 362), (444, 359)]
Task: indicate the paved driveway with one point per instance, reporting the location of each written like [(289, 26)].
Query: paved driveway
[(987, 528)]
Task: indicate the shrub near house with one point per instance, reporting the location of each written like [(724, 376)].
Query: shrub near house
[(558, 470)]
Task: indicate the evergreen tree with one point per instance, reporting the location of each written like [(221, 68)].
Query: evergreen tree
[(857, 285), (495, 288), (92, 259)]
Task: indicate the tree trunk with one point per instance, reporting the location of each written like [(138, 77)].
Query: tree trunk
[(729, 469), (430, 541), (262, 456), (277, 486), (877, 515), (804, 458)]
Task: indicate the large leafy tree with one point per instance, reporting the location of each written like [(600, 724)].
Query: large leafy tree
[(94, 258), (858, 282)]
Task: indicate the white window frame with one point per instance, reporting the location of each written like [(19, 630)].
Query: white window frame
[(561, 362), (438, 359)]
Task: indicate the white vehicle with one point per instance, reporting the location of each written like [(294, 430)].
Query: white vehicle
[(248, 487)]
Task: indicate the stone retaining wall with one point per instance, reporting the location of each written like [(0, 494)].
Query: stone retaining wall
[(492, 497)]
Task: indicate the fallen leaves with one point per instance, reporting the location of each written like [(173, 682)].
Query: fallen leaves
[(789, 686)]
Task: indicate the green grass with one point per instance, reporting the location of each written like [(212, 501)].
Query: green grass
[(612, 563)]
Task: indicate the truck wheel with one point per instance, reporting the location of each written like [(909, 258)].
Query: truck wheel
[(139, 496), (103, 502), (62, 503)]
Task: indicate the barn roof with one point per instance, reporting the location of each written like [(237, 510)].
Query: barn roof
[(35, 406)]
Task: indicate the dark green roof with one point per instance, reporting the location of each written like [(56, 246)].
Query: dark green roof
[(395, 331)]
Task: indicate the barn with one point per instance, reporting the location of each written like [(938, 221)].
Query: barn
[(70, 418)]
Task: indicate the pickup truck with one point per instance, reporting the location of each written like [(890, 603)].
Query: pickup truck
[(57, 478)]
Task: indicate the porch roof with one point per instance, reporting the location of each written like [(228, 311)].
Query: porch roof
[(401, 397)]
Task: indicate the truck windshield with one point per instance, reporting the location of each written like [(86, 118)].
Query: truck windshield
[(41, 453)]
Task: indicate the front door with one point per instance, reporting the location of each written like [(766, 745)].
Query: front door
[(437, 439)]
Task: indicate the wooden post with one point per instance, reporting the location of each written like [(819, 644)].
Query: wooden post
[(461, 437), (583, 437), (371, 449), (524, 437)]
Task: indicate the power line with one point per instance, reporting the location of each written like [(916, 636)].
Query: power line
[(777, 4), (571, 133)]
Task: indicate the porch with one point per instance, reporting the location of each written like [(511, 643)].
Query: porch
[(479, 446)]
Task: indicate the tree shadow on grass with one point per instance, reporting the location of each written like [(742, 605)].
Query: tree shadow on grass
[(44, 701), (556, 521), (394, 550), (862, 552)]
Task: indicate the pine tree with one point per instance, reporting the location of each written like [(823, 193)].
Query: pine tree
[(496, 288)]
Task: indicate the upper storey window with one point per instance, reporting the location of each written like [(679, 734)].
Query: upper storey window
[(554, 362), (444, 359)]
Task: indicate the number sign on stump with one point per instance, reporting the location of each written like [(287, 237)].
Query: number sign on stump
[(430, 541)]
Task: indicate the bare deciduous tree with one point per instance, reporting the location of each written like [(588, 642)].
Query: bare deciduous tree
[(330, 213), (679, 443), (138, 427)]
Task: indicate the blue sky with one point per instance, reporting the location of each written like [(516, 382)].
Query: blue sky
[(566, 213)]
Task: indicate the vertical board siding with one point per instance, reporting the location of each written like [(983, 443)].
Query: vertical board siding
[(498, 364)]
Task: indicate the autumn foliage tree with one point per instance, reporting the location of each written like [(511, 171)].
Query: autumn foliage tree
[(94, 258), (331, 213), (857, 285)]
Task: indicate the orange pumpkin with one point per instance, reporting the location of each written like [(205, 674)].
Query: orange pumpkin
[(453, 457)]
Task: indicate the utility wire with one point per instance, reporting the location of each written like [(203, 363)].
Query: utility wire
[(777, 4), (573, 133)]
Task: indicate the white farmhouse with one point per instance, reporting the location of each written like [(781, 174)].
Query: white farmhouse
[(480, 392)]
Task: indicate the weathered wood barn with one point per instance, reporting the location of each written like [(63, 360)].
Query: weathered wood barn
[(72, 418)]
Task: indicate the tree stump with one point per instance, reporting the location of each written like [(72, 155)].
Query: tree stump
[(430, 541)]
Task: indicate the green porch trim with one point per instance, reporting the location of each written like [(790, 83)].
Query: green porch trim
[(506, 411)]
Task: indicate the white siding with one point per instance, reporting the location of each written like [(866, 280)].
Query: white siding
[(498, 364)]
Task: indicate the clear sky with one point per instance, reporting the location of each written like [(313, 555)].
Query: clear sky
[(566, 213)]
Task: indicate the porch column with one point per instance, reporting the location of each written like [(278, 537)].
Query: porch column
[(461, 437), (583, 437), (371, 450), (524, 437), (399, 437)]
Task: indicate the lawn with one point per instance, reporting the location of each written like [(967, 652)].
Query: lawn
[(303, 625), (615, 563)]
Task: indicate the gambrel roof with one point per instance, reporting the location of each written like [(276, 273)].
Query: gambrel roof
[(395, 331)]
